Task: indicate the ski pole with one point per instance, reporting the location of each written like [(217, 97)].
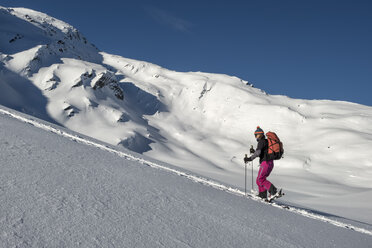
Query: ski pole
[(252, 176), (245, 177), (252, 168)]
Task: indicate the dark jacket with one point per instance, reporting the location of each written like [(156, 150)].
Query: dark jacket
[(261, 149)]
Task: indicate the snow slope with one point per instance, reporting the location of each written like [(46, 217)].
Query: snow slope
[(57, 192), (197, 121)]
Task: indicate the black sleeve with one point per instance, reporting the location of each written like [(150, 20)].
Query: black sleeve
[(260, 147)]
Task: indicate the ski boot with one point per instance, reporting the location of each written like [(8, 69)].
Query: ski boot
[(263, 195), (274, 193)]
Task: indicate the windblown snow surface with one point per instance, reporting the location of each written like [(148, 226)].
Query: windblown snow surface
[(199, 122), (61, 189)]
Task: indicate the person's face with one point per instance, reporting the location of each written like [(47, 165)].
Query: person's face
[(258, 136)]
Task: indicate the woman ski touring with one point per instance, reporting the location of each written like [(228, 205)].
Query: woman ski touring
[(266, 164)]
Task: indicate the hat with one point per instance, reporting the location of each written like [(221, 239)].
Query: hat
[(258, 131)]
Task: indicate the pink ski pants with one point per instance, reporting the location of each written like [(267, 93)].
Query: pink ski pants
[(265, 169)]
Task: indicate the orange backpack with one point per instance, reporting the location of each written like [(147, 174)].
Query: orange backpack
[(275, 147)]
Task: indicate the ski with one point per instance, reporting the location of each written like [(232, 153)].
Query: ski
[(276, 196), (254, 196)]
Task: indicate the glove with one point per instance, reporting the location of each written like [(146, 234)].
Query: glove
[(246, 159), (251, 150)]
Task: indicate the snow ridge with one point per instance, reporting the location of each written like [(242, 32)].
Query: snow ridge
[(194, 178)]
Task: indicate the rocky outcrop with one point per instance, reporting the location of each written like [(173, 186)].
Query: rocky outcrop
[(108, 80)]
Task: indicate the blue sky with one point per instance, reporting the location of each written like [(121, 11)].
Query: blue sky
[(303, 49)]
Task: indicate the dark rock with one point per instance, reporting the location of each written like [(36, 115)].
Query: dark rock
[(110, 81)]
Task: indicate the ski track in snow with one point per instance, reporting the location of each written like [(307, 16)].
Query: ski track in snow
[(194, 178)]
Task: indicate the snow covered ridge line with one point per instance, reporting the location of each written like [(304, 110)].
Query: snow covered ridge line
[(189, 176)]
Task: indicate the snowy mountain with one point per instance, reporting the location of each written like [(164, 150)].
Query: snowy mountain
[(63, 189), (197, 121)]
